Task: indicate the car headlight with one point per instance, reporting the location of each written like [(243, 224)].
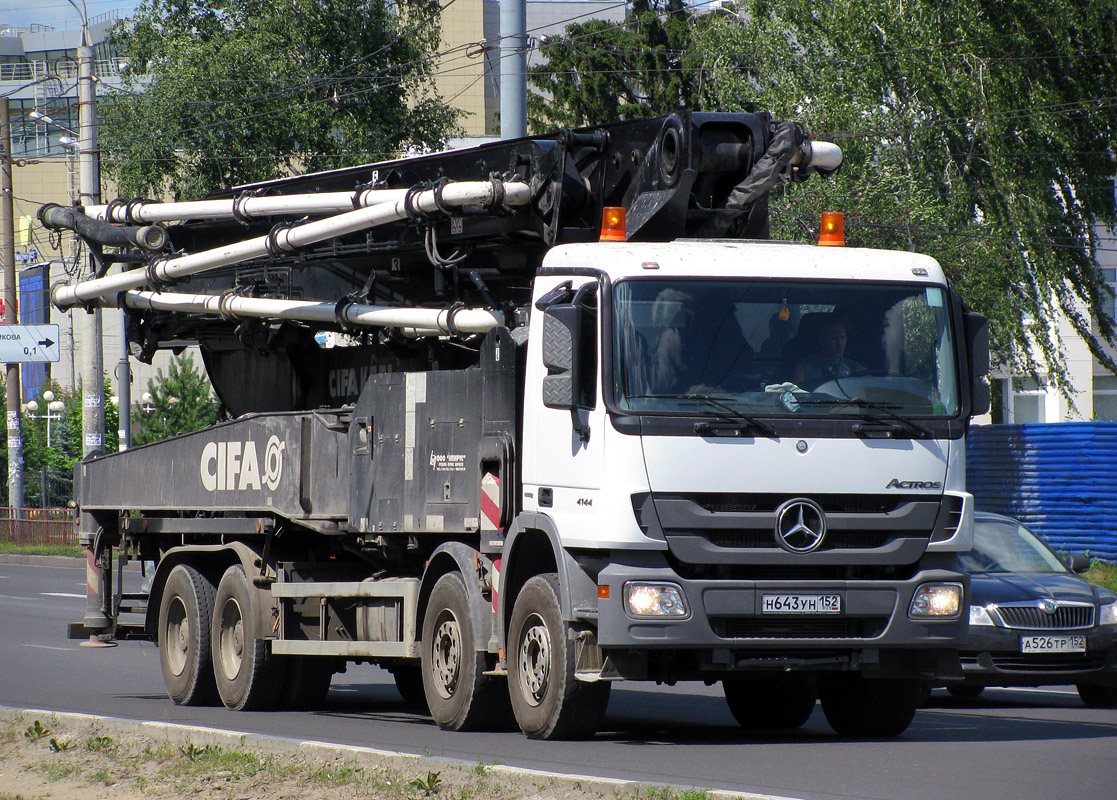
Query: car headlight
[(1107, 614), (936, 600), (653, 599), (979, 616)]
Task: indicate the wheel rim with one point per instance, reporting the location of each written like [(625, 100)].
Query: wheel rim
[(447, 654), (177, 638), (231, 639), (535, 659)]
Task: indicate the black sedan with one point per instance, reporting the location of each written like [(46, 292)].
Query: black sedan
[(1033, 621)]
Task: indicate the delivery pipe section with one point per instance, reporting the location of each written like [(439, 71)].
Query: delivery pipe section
[(465, 193), (247, 206), (416, 321)]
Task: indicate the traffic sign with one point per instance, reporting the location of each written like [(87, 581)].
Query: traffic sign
[(24, 343)]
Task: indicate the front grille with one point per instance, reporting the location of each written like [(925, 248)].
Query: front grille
[(1034, 618), (1040, 662), (835, 540), (798, 628), (747, 503)]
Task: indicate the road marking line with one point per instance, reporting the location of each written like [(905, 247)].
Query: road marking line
[(62, 594), (47, 647)]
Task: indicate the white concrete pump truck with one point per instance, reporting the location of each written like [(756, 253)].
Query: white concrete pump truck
[(519, 421)]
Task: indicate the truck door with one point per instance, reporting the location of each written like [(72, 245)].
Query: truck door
[(564, 417)]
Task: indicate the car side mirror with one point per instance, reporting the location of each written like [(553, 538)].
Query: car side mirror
[(1078, 562)]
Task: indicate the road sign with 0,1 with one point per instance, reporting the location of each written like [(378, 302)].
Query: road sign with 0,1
[(28, 343)]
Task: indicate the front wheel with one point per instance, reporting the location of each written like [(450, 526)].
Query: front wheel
[(783, 702), (869, 707), (1097, 696), (458, 693), (548, 701)]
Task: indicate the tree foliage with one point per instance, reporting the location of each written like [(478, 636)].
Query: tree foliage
[(51, 464), (181, 401), (981, 133), (223, 92), (600, 71)]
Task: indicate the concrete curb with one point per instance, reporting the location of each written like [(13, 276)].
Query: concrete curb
[(172, 733), (41, 561)]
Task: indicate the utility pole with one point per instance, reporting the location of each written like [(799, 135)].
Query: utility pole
[(11, 295), (89, 190), (513, 69)]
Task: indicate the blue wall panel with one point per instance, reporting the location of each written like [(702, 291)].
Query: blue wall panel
[(1059, 479)]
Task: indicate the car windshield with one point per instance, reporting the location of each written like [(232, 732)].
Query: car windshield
[(1003, 545), (770, 347)]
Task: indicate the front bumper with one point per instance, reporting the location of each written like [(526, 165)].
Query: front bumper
[(725, 625), (992, 657)]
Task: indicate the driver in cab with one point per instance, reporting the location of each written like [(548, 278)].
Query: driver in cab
[(826, 358)]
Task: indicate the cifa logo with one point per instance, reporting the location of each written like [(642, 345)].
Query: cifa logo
[(235, 466)]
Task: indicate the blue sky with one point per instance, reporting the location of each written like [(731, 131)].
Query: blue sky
[(21, 13)]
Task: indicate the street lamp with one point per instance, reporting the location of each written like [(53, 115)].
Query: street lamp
[(53, 410)]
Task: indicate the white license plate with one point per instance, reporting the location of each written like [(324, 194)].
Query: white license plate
[(801, 604), (1053, 644)]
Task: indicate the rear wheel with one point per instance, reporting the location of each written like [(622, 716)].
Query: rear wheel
[(409, 684), (965, 691), (1097, 696), (185, 612), (549, 702), (248, 676), (306, 682), (869, 707), (458, 693), (771, 703)]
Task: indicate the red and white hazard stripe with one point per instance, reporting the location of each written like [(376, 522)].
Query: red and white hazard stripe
[(490, 520)]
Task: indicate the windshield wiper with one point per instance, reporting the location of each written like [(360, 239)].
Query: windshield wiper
[(720, 404), (862, 403)]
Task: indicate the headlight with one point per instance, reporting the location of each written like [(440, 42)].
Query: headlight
[(654, 600), (979, 616), (1107, 614), (936, 600)]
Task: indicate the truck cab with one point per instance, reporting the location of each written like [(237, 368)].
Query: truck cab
[(740, 492)]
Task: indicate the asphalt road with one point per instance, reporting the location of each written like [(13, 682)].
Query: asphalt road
[(1012, 744)]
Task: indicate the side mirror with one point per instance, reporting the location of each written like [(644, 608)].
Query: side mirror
[(977, 355), (1078, 563), (569, 354), (560, 345)]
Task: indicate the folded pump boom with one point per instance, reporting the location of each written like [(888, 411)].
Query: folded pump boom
[(413, 257)]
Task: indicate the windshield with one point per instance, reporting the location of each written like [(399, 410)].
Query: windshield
[(1002, 545), (783, 347)]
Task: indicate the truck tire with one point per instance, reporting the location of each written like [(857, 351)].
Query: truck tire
[(248, 676), (185, 612), (869, 707), (782, 702), (1097, 696), (409, 684), (458, 693), (548, 701), (306, 682)]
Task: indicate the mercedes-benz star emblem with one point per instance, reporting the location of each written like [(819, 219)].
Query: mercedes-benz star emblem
[(800, 525)]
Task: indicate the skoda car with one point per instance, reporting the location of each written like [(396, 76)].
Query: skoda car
[(1033, 621)]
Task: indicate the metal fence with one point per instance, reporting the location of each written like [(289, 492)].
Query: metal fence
[(38, 526)]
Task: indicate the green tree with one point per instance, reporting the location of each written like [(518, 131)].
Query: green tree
[(981, 133), (221, 92), (600, 71), (181, 401)]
